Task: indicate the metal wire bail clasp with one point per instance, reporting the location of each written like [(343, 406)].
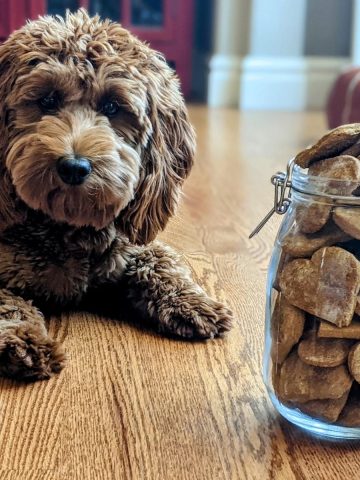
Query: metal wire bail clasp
[(282, 195)]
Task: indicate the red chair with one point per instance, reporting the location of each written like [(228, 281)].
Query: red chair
[(343, 104)]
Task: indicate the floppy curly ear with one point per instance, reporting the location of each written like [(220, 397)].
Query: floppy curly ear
[(10, 210), (166, 159)]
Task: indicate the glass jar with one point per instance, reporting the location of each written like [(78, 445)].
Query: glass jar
[(312, 338)]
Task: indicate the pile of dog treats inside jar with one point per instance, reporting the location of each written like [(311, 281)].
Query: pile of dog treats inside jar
[(315, 323)]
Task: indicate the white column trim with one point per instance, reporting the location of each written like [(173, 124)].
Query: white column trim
[(231, 43), (287, 83), (224, 80)]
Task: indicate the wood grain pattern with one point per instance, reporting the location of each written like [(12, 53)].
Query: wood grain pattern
[(133, 405)]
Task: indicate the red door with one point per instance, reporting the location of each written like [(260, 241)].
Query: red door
[(15, 12), (166, 24)]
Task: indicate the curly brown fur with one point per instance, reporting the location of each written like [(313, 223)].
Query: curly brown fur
[(162, 288), (82, 88), (26, 350)]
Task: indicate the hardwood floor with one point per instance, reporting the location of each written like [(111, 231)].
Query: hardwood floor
[(134, 405)]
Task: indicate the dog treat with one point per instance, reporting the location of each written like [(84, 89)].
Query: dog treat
[(287, 327), (328, 410), (300, 382), (334, 143), (312, 218), (325, 286), (327, 330), (283, 260), (354, 362), (324, 352), (350, 415), (344, 171), (344, 167), (300, 245), (348, 219)]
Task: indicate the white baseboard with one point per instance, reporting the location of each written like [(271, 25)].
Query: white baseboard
[(224, 78), (272, 83)]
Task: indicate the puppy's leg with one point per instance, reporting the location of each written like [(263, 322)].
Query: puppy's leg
[(163, 289), (26, 350)]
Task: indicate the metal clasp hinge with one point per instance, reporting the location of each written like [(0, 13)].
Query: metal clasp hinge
[(282, 195)]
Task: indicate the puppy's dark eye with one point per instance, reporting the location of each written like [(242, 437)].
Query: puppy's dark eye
[(110, 108), (33, 62), (50, 103)]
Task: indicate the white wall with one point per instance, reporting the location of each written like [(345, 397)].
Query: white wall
[(270, 35), (234, 39), (279, 54), (328, 27)]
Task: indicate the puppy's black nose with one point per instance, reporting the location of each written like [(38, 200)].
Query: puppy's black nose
[(73, 171)]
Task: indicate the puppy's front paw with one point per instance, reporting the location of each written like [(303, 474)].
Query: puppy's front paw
[(197, 317), (28, 354)]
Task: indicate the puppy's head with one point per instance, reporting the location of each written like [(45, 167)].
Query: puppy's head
[(92, 127)]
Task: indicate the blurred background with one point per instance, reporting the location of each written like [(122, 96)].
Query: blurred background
[(245, 54)]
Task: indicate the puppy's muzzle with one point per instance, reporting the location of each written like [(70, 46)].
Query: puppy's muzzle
[(73, 170)]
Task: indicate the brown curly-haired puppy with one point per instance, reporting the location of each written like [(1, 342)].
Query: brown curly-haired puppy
[(94, 145)]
